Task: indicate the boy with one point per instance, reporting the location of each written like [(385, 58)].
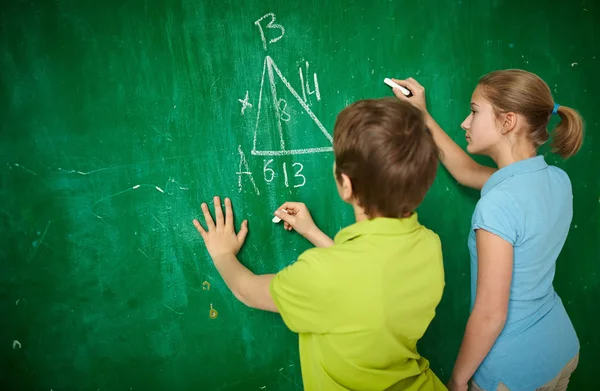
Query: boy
[(361, 302)]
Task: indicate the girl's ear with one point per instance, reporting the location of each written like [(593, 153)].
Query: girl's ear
[(508, 122)]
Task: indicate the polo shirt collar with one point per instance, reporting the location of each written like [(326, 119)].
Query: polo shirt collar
[(378, 226), (522, 166)]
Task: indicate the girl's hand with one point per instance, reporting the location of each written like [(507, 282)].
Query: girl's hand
[(418, 93)]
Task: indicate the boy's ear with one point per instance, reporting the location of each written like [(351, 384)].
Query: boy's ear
[(346, 188)]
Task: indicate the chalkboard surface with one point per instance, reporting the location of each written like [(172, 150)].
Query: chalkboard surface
[(118, 118)]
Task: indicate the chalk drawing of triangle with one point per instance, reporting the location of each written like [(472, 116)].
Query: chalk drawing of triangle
[(285, 125)]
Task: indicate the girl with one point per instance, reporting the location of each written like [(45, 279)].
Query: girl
[(518, 336)]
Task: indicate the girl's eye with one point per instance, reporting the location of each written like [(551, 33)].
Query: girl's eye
[(473, 112)]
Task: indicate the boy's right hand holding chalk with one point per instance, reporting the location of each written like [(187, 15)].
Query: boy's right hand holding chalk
[(297, 217)]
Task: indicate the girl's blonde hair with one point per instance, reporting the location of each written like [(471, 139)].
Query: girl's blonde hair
[(522, 92)]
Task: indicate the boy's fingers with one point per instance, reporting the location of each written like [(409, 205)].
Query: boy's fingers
[(218, 213), (287, 218), (199, 227), (291, 207), (243, 232), (228, 215), (207, 217)]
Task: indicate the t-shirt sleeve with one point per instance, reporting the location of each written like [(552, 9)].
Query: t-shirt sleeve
[(301, 295), (497, 213)]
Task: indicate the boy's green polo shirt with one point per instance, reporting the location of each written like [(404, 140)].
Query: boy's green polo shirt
[(361, 305)]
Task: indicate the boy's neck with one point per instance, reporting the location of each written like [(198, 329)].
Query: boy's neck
[(360, 215)]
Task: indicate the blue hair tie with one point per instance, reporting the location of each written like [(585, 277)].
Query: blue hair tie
[(555, 110)]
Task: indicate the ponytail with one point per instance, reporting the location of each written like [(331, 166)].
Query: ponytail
[(526, 93), (567, 137)]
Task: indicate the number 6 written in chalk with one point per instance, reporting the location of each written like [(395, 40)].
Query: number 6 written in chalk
[(269, 173)]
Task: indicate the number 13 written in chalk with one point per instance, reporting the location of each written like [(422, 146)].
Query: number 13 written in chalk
[(271, 25)]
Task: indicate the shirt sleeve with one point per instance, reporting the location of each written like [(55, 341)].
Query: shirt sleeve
[(301, 294), (497, 213)]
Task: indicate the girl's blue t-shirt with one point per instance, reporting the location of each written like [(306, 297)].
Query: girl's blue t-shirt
[(530, 205)]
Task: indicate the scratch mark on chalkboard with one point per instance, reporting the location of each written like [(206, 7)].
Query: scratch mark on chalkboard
[(76, 172), (24, 168), (177, 312), (194, 289), (157, 220), (168, 136), (230, 384), (172, 180), (50, 142), (40, 242), (100, 283), (125, 191), (134, 287), (16, 344), (298, 386), (114, 195), (178, 353), (99, 217), (125, 165), (146, 255)]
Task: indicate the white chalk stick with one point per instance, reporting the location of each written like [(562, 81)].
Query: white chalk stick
[(277, 219), (392, 84)]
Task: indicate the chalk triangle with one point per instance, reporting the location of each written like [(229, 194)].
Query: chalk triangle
[(285, 124)]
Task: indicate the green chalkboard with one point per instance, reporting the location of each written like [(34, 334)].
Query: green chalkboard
[(118, 118)]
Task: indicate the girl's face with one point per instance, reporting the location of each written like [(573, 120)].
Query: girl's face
[(481, 126)]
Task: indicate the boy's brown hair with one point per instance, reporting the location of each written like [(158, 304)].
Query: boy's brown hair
[(387, 151)]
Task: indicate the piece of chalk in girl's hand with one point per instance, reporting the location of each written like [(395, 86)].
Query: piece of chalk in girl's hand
[(392, 84), (277, 219)]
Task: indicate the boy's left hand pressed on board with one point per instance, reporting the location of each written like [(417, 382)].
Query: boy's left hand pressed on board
[(220, 238)]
